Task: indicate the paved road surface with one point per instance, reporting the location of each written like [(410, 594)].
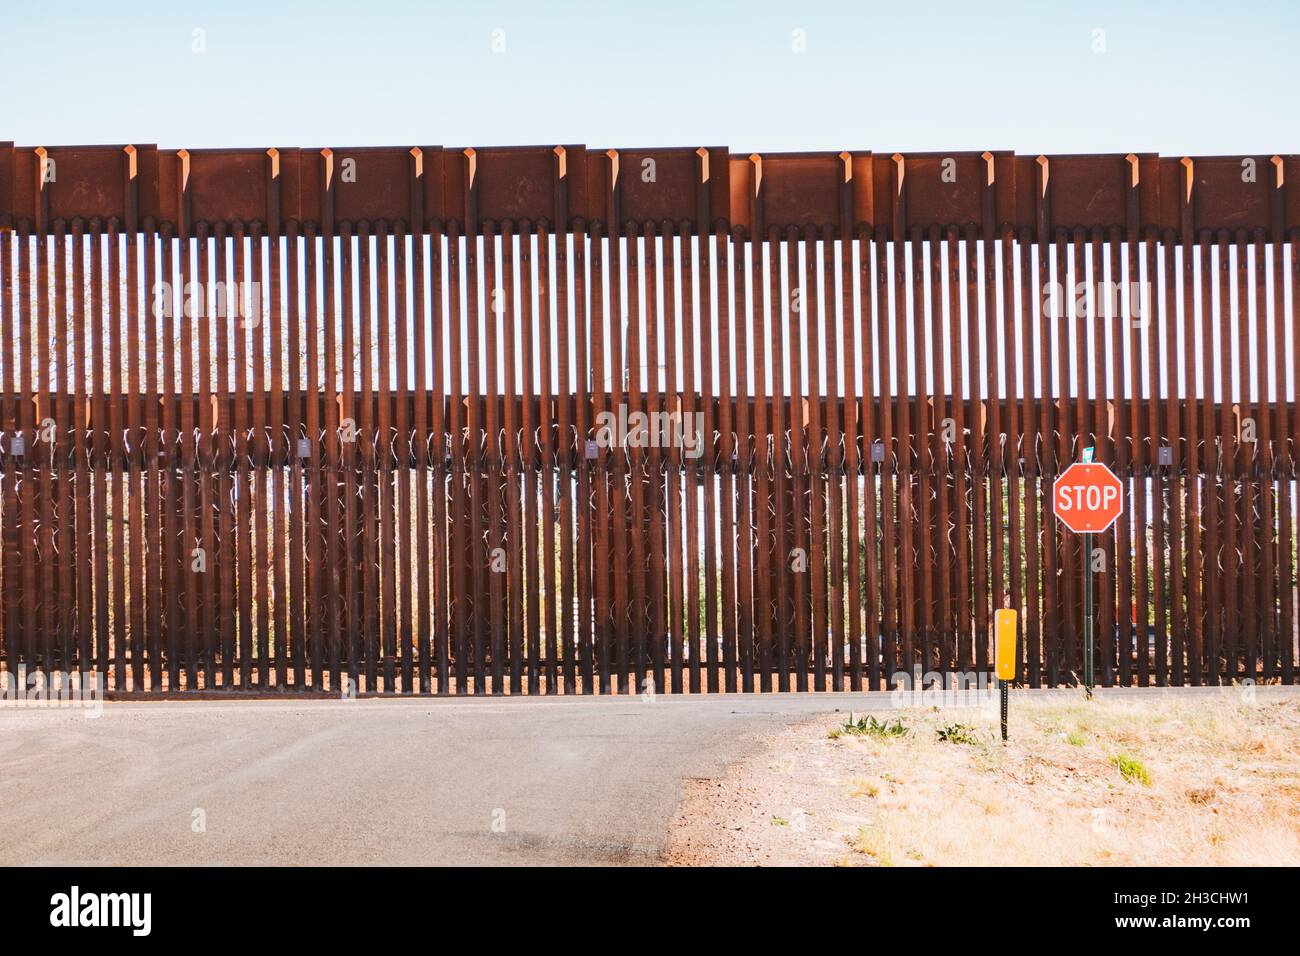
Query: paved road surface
[(372, 781)]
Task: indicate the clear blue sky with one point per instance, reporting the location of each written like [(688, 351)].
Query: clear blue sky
[(1176, 78)]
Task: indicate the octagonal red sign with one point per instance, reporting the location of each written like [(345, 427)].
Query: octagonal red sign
[(1088, 497)]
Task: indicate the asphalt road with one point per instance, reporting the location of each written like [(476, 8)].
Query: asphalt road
[(442, 781), (434, 781)]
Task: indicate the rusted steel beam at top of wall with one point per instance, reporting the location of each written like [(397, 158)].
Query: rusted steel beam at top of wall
[(1143, 195), (689, 187)]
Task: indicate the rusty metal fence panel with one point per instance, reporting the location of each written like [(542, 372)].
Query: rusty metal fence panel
[(558, 420)]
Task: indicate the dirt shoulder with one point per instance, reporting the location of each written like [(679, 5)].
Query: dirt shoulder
[(1204, 782)]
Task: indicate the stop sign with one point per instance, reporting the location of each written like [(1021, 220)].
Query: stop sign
[(1087, 497)]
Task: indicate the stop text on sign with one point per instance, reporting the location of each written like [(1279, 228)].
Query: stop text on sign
[(1088, 497), (1085, 498)]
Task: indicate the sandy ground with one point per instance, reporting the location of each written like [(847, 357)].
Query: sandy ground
[(1210, 781)]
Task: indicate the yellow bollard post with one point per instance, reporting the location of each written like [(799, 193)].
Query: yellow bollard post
[(1004, 655)]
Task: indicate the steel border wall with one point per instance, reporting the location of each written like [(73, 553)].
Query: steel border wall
[(878, 452)]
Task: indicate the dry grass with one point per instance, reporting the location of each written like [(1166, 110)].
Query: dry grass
[(1108, 782)]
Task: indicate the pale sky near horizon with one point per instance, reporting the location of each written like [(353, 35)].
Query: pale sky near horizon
[(1174, 78)]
